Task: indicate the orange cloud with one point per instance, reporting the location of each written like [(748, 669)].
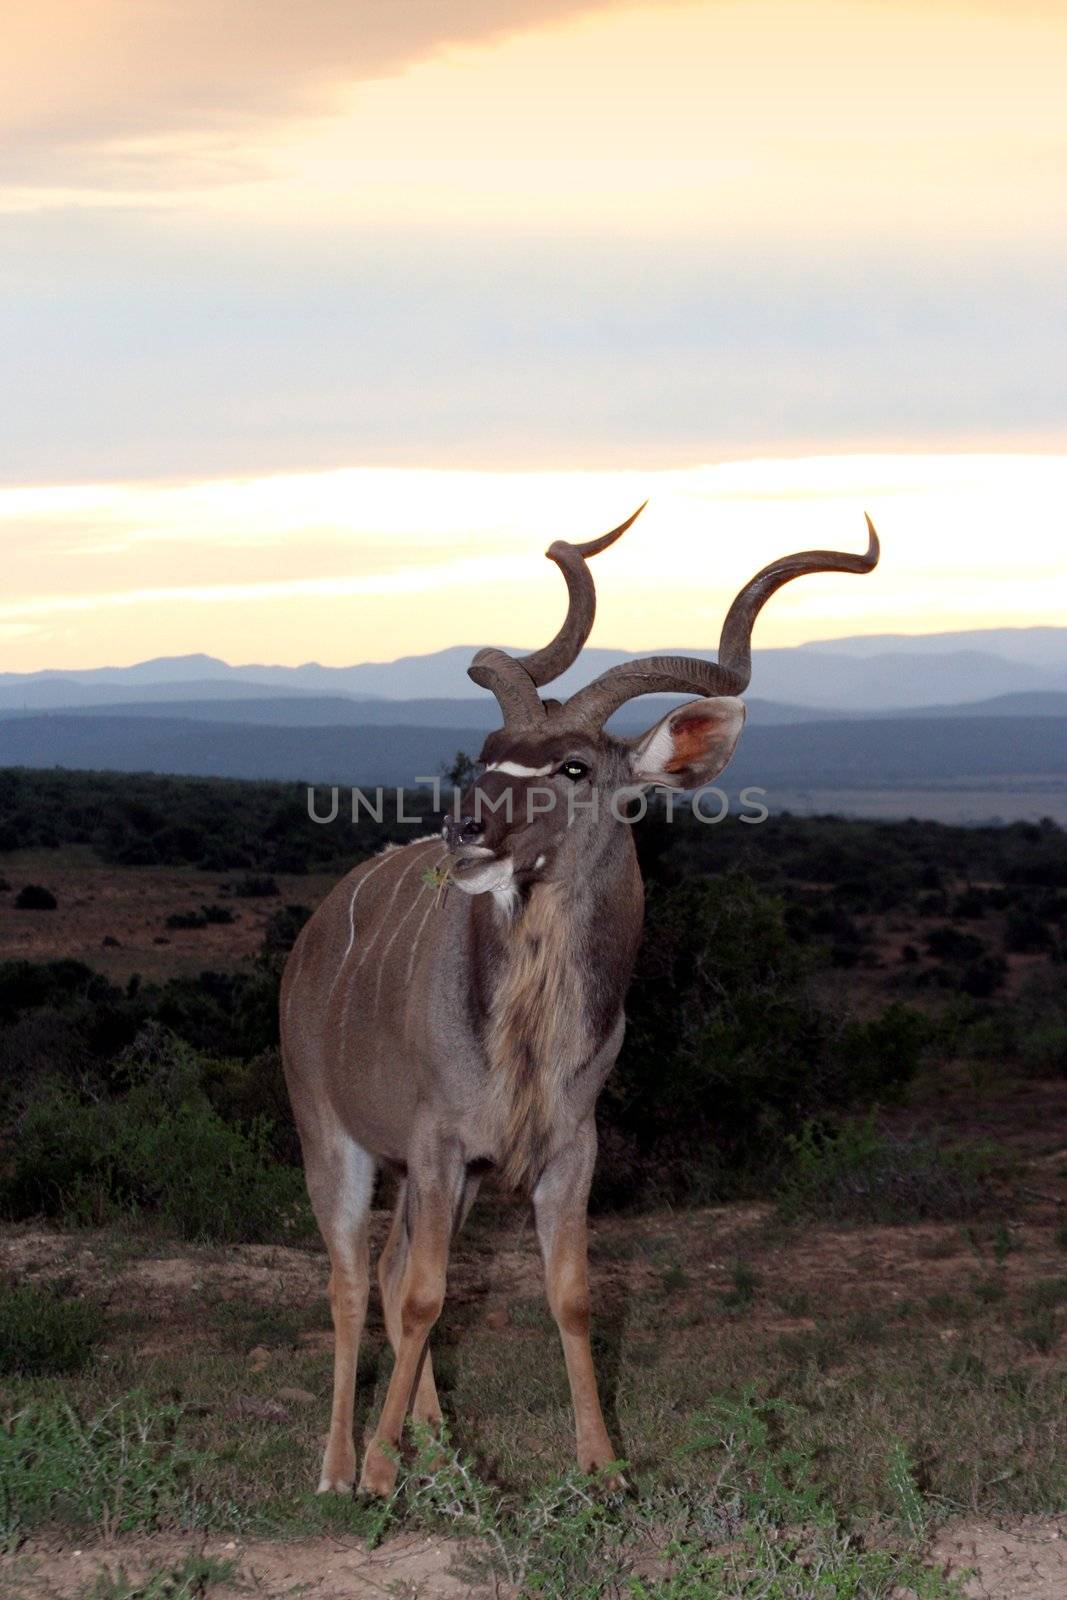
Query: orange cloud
[(81, 78)]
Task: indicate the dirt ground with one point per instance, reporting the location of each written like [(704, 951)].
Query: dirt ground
[(409, 1568), (1027, 1561), (131, 906), (495, 1272)]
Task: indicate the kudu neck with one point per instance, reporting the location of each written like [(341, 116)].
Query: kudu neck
[(587, 877)]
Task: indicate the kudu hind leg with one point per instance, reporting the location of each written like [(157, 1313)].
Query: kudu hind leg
[(341, 1183), (392, 1265), (560, 1202), (431, 1205)]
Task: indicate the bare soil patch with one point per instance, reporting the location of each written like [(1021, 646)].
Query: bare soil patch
[(131, 905), (408, 1568), (1025, 1560)]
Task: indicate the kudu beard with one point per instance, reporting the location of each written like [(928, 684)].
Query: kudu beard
[(628, 804)]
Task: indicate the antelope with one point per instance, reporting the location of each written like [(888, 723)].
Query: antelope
[(449, 1032)]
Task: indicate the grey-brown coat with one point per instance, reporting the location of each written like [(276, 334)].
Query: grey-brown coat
[(454, 1005)]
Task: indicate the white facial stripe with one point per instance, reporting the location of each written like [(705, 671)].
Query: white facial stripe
[(512, 769)]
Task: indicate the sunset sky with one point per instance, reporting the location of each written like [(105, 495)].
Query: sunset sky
[(320, 321)]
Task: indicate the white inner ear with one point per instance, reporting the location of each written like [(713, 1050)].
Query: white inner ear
[(723, 718), (655, 755)]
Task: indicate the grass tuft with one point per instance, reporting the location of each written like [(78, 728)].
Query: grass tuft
[(192, 1579), (124, 1470), (42, 1334), (855, 1173)]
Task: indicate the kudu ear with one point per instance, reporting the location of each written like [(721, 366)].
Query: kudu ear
[(691, 745)]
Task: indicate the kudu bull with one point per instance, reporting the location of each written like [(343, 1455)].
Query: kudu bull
[(449, 1033)]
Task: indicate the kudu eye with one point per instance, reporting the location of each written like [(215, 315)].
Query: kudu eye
[(574, 770)]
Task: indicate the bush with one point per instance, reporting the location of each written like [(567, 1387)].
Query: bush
[(207, 916), (854, 1173), (885, 1052), (726, 1046), (26, 985), (42, 1334), (186, 919), (123, 1470), (217, 916), (949, 944), (984, 977), (160, 1149), (282, 929), (35, 898), (1026, 933), (1043, 1051), (41, 1044), (255, 886)]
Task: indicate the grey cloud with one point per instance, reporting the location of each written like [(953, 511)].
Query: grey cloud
[(163, 358)]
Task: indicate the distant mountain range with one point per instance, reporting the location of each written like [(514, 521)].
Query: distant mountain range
[(884, 673), (864, 754), (268, 709), (845, 715)]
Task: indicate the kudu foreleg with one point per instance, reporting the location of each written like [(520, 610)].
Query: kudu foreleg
[(560, 1202), (340, 1182), (432, 1206)]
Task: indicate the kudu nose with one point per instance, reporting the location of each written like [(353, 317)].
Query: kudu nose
[(466, 829)]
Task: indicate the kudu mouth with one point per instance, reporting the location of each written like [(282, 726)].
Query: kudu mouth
[(476, 869)]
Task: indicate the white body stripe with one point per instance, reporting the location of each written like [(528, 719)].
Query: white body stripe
[(512, 769), (418, 936), (352, 916), (385, 953), (386, 856), (383, 917)]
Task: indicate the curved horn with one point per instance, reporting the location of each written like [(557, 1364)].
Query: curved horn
[(546, 664), (515, 691), (594, 704), (515, 679)]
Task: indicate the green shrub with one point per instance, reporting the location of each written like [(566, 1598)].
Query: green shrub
[(1026, 933), (254, 886), (1043, 1050), (283, 925), (207, 916), (855, 1173), (159, 1149), (726, 1046), (185, 919), (950, 944), (41, 1333), (983, 977), (125, 1469), (34, 897)]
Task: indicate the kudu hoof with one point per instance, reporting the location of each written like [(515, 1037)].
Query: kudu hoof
[(338, 1471), (335, 1485), (379, 1473)]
